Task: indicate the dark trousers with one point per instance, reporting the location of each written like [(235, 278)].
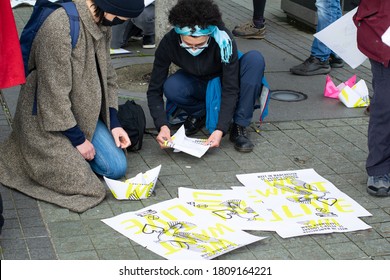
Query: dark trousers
[(189, 92), (258, 9), (1, 214), (378, 161)]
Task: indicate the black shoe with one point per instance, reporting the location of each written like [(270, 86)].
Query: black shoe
[(239, 136), (148, 42), (367, 110), (335, 61), (311, 66), (192, 125)]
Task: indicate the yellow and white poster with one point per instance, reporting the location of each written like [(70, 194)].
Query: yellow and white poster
[(231, 206), (303, 202), (178, 231)]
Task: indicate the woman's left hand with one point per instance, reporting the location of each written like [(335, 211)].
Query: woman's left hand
[(214, 139), (121, 138)]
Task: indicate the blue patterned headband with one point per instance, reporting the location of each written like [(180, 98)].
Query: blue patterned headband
[(221, 37)]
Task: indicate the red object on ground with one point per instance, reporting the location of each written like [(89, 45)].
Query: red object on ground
[(11, 62)]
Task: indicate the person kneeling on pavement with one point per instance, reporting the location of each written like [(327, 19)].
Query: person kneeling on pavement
[(66, 133), (211, 72)]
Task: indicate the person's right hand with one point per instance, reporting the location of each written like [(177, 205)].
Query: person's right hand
[(86, 150), (164, 136)]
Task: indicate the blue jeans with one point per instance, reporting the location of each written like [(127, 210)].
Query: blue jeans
[(189, 93), (328, 11), (109, 161)]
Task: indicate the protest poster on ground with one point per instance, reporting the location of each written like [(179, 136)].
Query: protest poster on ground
[(303, 202), (302, 189), (178, 231), (231, 206)]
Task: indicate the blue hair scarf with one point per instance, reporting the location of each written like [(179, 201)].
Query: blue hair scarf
[(221, 37)]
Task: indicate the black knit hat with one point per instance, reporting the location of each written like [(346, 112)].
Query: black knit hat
[(122, 8)]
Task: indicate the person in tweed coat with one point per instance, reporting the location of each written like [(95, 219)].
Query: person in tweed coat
[(55, 153)]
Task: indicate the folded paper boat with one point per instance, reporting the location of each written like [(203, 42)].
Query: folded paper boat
[(139, 187)]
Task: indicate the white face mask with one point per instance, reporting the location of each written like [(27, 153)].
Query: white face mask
[(191, 50), (194, 52)]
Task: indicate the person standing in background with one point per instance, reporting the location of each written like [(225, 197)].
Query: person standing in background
[(54, 153), (322, 59), (372, 19), (254, 29)]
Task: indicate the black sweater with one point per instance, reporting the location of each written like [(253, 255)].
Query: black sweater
[(205, 66)]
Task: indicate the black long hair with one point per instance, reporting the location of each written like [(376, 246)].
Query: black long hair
[(98, 13)]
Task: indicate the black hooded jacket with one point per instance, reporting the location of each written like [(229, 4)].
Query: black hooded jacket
[(205, 66)]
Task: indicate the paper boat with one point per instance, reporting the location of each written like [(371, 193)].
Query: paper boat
[(139, 187), (332, 91)]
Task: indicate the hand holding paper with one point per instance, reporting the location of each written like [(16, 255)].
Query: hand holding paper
[(192, 146)]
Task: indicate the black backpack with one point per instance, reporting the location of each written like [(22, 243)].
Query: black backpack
[(132, 118)]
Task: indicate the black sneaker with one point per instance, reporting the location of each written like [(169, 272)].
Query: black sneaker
[(239, 136), (311, 66), (192, 124), (148, 42), (335, 61)]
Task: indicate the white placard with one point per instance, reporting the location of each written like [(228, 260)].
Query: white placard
[(192, 146), (340, 37), (231, 206), (178, 231)]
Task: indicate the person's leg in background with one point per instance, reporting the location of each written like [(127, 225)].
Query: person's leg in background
[(145, 21), (109, 161), (321, 58), (328, 11), (119, 37), (1, 214), (378, 160), (258, 13), (189, 94), (252, 66), (254, 29)]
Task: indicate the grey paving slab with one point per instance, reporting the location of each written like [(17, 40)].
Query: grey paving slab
[(317, 133)]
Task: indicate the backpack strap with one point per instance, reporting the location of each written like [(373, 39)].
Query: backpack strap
[(31, 30), (42, 9), (74, 21)]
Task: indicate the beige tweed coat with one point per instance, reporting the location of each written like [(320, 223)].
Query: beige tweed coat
[(38, 159)]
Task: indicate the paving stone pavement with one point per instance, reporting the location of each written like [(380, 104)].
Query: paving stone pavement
[(336, 147)]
